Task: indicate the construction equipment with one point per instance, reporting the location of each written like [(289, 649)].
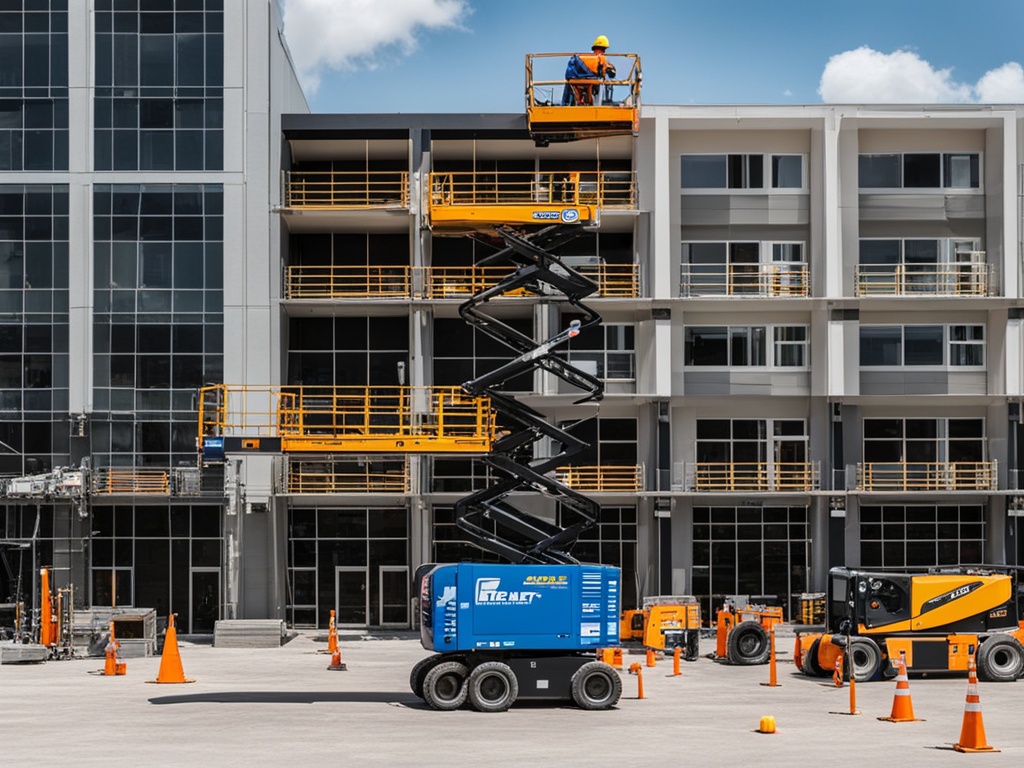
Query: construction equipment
[(527, 630), (664, 622), (742, 634), (939, 619)]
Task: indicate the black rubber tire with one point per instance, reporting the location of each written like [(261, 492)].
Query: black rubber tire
[(691, 652), (492, 687), (419, 672), (811, 667), (865, 658), (444, 686), (596, 685), (1000, 659), (748, 644)]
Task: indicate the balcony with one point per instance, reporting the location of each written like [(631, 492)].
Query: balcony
[(927, 476), (972, 279), (613, 280), (337, 476), (767, 280), (764, 477), (602, 479), (337, 190), (327, 282)]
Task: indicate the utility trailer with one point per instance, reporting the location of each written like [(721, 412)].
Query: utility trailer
[(502, 633), (937, 619)]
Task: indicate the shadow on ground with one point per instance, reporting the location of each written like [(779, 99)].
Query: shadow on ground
[(290, 697)]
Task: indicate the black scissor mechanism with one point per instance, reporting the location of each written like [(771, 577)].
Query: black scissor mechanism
[(488, 517)]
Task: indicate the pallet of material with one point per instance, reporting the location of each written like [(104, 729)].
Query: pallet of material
[(248, 633)]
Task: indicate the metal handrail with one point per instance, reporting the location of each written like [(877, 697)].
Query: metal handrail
[(753, 476), (968, 279), (766, 280), (346, 189), (927, 476), (613, 280), (332, 282), (313, 476), (130, 480), (602, 479), (604, 189)]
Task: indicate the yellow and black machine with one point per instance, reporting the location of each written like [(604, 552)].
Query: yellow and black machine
[(937, 620), (742, 633), (664, 622)]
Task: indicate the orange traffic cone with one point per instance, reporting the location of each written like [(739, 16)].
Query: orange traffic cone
[(336, 663), (902, 707), (171, 670), (972, 732)]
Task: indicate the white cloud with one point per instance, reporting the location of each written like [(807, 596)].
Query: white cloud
[(867, 76), (354, 34), (1004, 85)]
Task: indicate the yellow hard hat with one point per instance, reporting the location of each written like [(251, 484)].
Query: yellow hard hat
[(600, 42)]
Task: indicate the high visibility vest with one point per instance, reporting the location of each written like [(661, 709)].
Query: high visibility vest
[(595, 62)]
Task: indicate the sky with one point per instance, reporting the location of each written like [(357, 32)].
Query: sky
[(413, 56)]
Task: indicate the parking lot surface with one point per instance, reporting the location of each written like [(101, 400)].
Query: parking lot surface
[(282, 707)]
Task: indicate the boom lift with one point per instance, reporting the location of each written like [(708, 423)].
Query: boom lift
[(742, 632), (665, 621), (938, 619)]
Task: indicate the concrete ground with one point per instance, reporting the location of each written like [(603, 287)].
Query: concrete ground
[(281, 707)]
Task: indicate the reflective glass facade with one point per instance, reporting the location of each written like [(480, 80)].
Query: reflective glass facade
[(33, 327), (33, 85), (159, 85), (158, 318)]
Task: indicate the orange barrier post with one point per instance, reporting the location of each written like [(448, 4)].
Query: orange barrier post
[(676, 654), (651, 661), (171, 670), (902, 707), (773, 680), (336, 664), (636, 669), (972, 732)]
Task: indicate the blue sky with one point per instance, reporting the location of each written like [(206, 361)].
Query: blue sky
[(468, 55)]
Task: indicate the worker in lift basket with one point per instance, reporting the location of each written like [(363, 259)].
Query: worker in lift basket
[(588, 66)]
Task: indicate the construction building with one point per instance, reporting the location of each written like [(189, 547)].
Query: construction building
[(811, 342)]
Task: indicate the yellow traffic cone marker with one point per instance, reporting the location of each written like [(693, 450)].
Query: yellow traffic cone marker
[(972, 732), (171, 670)]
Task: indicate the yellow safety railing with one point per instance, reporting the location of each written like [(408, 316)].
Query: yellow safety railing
[(754, 476), (932, 280), (765, 280), (604, 189), (322, 476), (131, 480), (346, 189), (602, 479), (347, 419), (613, 280), (927, 476), (327, 282)]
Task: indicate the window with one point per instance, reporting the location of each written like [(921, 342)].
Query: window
[(920, 170), (924, 440), (746, 346), (921, 536), (955, 346), (159, 85), (607, 352), (742, 171)]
